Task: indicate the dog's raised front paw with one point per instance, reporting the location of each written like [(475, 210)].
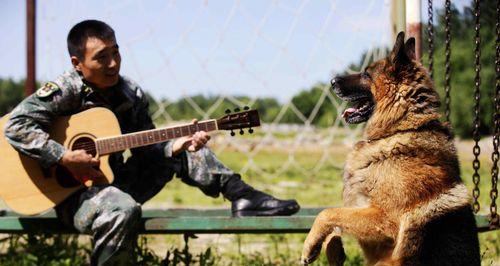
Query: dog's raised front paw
[(310, 253)]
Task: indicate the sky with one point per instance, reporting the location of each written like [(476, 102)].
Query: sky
[(258, 48)]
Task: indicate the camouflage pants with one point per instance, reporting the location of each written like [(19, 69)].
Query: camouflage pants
[(110, 213)]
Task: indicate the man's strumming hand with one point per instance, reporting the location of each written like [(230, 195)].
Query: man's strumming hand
[(81, 165)]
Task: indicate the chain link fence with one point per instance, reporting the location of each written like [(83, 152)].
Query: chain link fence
[(224, 50)]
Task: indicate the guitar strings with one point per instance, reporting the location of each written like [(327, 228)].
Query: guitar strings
[(93, 145)]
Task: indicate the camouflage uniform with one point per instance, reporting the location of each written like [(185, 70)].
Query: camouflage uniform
[(110, 213)]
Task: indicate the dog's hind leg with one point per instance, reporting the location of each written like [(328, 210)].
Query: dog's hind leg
[(414, 225), (368, 224), (334, 249)]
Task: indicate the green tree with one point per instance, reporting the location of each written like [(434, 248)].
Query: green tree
[(306, 101), (462, 66), (11, 93), (268, 108)]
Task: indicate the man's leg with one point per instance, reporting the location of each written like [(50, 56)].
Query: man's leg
[(203, 170), (110, 216)]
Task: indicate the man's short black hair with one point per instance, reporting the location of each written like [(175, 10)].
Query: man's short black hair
[(81, 32)]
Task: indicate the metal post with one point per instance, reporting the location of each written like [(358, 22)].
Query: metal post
[(414, 24), (30, 45)]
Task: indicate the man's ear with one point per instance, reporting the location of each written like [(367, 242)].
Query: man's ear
[(77, 64)]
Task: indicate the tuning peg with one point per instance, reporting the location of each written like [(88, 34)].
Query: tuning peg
[(241, 132), (228, 111), (250, 130), (232, 133), (237, 109), (246, 108)]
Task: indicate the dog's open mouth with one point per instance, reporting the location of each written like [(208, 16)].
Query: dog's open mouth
[(360, 111)]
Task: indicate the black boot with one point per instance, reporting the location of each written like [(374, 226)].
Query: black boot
[(247, 201)]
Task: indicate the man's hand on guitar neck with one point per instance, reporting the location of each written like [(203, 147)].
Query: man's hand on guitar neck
[(191, 143), (81, 165)]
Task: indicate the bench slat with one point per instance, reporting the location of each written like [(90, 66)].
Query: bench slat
[(176, 221), (299, 224)]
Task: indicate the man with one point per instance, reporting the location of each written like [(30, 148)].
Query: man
[(110, 213)]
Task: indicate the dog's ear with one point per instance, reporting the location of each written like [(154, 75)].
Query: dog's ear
[(402, 53), (398, 47), (410, 48)]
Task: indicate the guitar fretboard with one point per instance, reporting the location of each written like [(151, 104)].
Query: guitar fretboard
[(148, 137)]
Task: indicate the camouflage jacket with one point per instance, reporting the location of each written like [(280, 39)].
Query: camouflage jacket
[(29, 122)]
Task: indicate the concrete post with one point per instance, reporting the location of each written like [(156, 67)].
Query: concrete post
[(414, 24), (398, 17)]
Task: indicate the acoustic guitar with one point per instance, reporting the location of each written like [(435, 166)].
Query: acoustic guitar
[(28, 189)]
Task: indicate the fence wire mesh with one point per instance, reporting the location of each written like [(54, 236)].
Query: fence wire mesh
[(180, 49)]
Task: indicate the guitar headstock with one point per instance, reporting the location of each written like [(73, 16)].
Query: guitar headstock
[(239, 120)]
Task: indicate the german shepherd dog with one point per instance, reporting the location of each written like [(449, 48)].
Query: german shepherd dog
[(403, 197)]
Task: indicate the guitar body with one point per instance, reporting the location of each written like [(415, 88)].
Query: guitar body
[(29, 190)]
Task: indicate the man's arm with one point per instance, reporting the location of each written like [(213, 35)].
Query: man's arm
[(27, 129)]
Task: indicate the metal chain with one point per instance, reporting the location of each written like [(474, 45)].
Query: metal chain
[(477, 96), (430, 38), (447, 76), (494, 219)]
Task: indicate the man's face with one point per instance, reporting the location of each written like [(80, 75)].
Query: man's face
[(101, 63)]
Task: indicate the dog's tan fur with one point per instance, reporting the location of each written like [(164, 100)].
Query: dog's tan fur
[(403, 197)]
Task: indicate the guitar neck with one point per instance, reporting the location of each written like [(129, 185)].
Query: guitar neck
[(143, 138)]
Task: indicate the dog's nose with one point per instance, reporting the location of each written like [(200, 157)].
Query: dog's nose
[(335, 81)]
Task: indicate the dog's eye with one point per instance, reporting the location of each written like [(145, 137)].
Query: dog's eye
[(366, 75)]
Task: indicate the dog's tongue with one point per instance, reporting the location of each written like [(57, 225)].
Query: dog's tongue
[(348, 111)]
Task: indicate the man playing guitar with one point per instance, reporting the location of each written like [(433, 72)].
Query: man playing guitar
[(110, 212)]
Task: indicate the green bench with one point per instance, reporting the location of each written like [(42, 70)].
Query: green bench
[(186, 221)]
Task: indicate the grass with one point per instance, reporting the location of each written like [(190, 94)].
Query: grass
[(302, 179)]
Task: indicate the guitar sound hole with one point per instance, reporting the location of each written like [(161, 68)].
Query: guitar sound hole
[(85, 143)]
